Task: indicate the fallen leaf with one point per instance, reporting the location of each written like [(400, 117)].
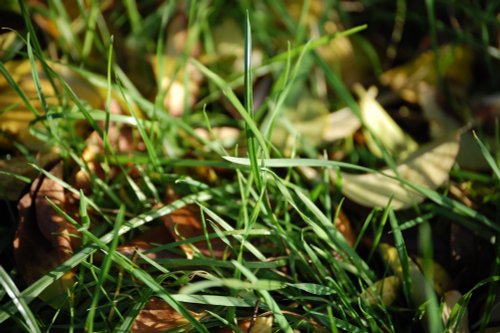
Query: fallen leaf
[(6, 41), (455, 63), (158, 234), (44, 239), (343, 225), (229, 43), (418, 281), (441, 124), (225, 135), (315, 10), (441, 280), (451, 298), (185, 223), (385, 290), (346, 56), (262, 324), (382, 126), (314, 124), (428, 167), (182, 81), (157, 316), (15, 116)]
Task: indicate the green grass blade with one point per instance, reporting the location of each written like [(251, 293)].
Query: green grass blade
[(20, 304), (487, 155), (271, 303), (400, 245), (221, 84), (248, 87)]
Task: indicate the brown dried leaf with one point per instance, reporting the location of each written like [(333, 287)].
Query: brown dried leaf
[(343, 225), (262, 324), (53, 227), (156, 235), (43, 239), (157, 316), (185, 223)]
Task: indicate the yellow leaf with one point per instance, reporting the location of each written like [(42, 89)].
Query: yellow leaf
[(16, 117), (441, 279), (455, 63), (385, 290), (382, 126), (428, 167), (313, 123)]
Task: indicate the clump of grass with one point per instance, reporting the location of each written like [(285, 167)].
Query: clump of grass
[(272, 244)]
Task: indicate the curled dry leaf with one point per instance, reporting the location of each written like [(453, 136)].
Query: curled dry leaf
[(451, 298), (44, 239), (428, 167), (157, 316), (385, 290), (382, 126)]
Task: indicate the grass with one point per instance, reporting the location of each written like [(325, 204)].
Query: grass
[(229, 234)]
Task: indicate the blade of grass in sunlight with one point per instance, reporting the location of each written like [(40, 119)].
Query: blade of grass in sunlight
[(438, 198), (271, 303), (20, 304), (219, 82), (105, 268), (253, 150), (105, 137), (487, 155)]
